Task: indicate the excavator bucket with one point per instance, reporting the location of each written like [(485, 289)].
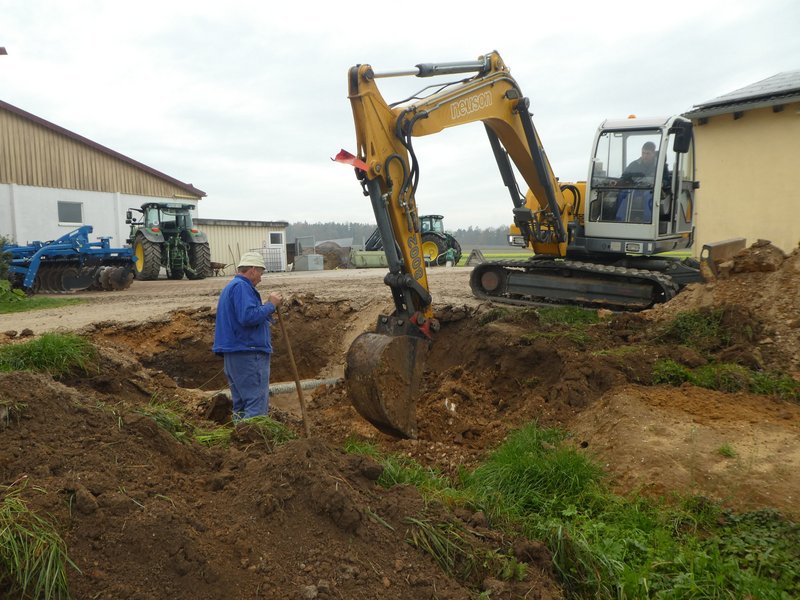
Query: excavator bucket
[(382, 376)]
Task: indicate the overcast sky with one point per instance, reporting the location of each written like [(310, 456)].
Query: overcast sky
[(248, 100)]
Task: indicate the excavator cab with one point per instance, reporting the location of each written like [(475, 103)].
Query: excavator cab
[(640, 193)]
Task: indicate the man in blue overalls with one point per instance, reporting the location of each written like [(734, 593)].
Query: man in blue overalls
[(242, 336)]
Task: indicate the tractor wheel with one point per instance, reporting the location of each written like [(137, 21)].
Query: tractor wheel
[(148, 258), (432, 247), (200, 260)]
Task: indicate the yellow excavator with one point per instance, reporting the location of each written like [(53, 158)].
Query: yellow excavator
[(600, 256)]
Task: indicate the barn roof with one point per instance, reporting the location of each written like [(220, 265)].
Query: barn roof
[(188, 187)]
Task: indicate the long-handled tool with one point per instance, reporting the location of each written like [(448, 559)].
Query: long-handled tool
[(296, 374)]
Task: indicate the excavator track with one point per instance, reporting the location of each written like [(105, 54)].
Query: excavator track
[(548, 280)]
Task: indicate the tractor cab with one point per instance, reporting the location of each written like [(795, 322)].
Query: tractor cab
[(432, 223)]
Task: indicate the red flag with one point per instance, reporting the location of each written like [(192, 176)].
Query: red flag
[(345, 157)]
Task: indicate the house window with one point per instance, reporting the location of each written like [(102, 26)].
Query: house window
[(276, 239), (70, 213)]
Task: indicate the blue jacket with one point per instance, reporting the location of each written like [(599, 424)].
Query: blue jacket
[(243, 322)]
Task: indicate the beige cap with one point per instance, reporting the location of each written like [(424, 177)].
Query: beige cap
[(251, 259)]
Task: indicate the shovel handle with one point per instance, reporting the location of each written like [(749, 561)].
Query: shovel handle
[(294, 371)]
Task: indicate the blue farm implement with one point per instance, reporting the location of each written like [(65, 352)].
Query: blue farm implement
[(71, 263)]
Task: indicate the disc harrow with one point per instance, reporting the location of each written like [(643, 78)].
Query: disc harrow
[(71, 263)]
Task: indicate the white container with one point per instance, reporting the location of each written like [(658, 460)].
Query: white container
[(309, 262)]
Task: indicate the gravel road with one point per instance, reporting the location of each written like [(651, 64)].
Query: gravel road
[(148, 299)]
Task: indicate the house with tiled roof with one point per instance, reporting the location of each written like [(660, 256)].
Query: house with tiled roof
[(748, 158)]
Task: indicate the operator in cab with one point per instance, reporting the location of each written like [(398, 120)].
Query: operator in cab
[(645, 165)]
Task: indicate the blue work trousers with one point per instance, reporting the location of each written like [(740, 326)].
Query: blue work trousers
[(248, 377)]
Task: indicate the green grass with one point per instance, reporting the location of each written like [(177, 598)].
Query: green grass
[(449, 545), (54, 353), (171, 416), (571, 316), (701, 329), (271, 430), (219, 436), (570, 322), (33, 557), (568, 316), (608, 546), (494, 256), (401, 470), (15, 300), (727, 377)]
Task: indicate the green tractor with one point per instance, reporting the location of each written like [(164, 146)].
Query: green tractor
[(164, 237), (438, 246)]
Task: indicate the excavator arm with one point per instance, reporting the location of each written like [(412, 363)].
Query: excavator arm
[(384, 368)]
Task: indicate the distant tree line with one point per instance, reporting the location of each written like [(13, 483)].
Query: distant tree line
[(477, 236)]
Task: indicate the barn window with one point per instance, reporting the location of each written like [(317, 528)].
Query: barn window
[(276, 239), (70, 213)]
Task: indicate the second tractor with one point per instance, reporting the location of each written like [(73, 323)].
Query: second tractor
[(164, 236)]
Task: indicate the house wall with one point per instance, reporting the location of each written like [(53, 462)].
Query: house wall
[(230, 239), (746, 170), (29, 213)]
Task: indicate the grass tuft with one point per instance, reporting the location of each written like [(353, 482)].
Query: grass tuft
[(54, 353), (450, 547), (573, 316), (701, 329), (219, 436), (273, 431), (169, 416), (33, 557), (493, 314), (10, 409)]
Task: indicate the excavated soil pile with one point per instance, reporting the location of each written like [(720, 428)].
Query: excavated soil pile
[(145, 515), (765, 282), (148, 517)]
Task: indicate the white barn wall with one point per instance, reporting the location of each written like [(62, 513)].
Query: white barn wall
[(31, 213)]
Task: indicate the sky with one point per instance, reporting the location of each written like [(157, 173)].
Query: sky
[(247, 100)]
